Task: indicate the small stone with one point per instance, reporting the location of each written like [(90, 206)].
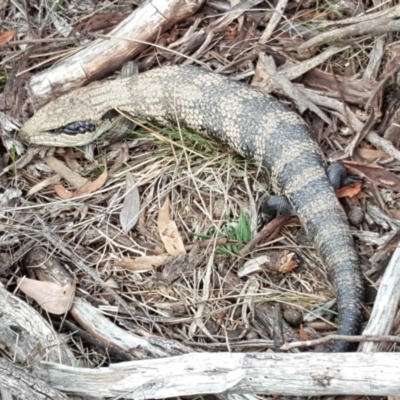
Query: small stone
[(293, 317), (252, 335), (356, 216)]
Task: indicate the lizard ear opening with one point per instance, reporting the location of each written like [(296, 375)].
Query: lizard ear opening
[(110, 114), (75, 128)]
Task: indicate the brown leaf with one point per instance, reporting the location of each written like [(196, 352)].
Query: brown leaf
[(6, 36), (288, 263), (71, 158), (375, 174), (275, 262), (145, 263), (62, 192), (349, 191), (130, 211), (52, 180), (52, 297), (92, 186), (303, 334), (169, 232), (372, 154)]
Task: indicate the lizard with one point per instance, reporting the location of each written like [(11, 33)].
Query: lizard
[(250, 122)]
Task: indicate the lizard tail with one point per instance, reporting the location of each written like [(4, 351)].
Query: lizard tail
[(344, 269), (332, 238), (312, 197)]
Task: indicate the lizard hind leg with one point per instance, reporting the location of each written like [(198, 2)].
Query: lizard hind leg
[(279, 205), (339, 176), (272, 207)]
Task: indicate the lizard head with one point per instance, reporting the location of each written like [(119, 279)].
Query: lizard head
[(74, 119)]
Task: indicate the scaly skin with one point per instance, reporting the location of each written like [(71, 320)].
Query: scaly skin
[(253, 124)]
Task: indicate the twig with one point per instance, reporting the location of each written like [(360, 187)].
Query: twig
[(376, 26), (274, 21), (383, 144), (233, 13), (347, 116), (295, 71), (302, 102), (272, 227), (39, 41), (330, 338)]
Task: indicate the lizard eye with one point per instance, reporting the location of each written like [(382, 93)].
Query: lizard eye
[(74, 128)]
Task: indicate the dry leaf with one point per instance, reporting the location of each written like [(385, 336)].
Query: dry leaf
[(89, 187), (349, 191), (372, 154), (92, 186), (74, 179), (131, 207), (110, 283), (121, 158), (6, 36), (8, 197), (303, 334), (52, 180), (275, 262), (145, 263), (52, 297), (375, 174), (287, 263), (62, 192), (169, 232)]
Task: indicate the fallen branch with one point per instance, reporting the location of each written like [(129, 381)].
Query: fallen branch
[(330, 338), (385, 305), (302, 374), (104, 56), (24, 385), (376, 26)]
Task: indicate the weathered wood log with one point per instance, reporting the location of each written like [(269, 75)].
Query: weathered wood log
[(36, 339), (303, 374)]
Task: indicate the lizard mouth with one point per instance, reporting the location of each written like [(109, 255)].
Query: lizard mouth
[(82, 127), (75, 128), (71, 129)]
